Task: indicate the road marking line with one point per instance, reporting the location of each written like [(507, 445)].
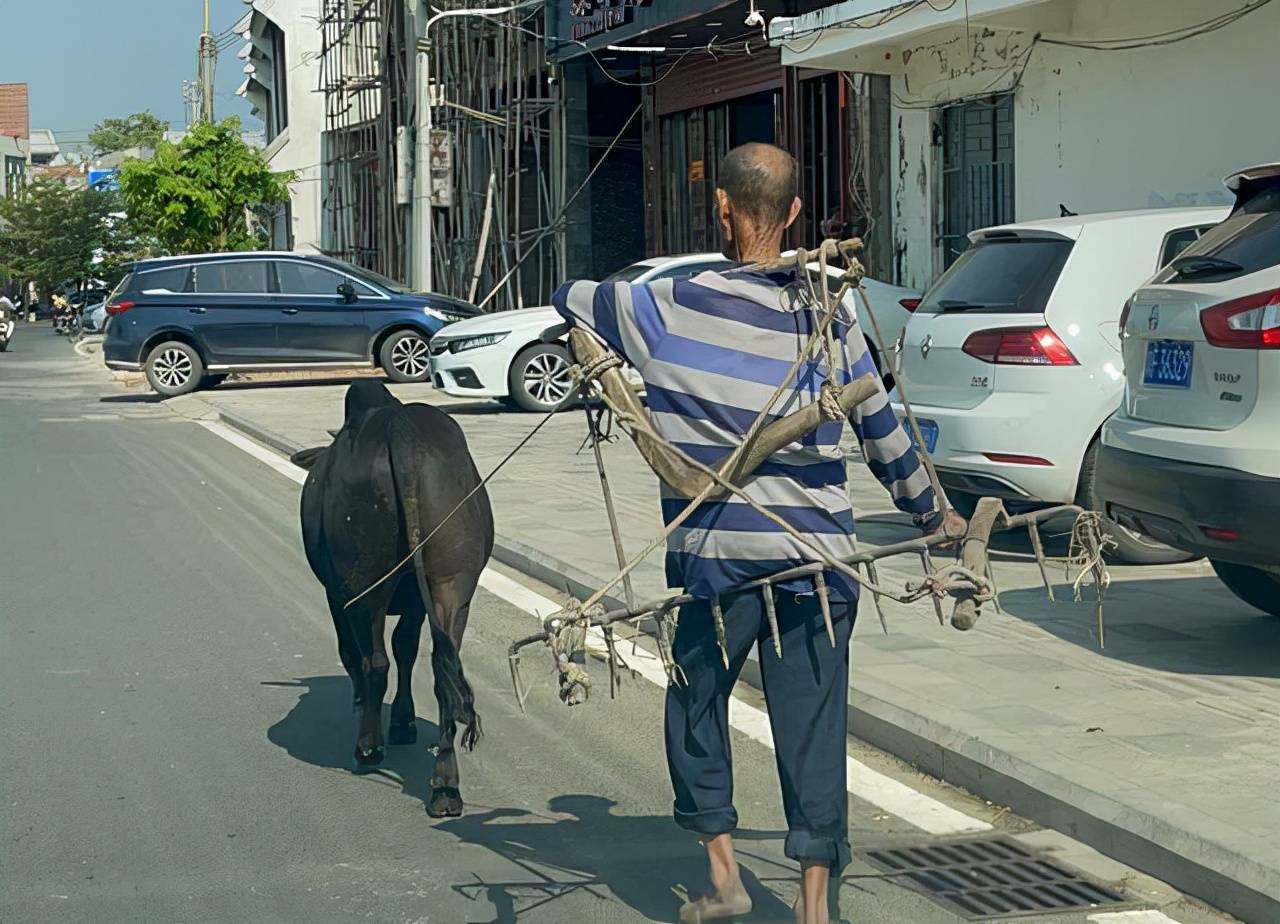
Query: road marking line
[(261, 453), (867, 784), (1147, 916)]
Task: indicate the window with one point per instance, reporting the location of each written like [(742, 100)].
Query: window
[(629, 273), (1177, 241), (173, 279), (1005, 276), (691, 269), (1246, 242), (238, 277), (977, 169), (298, 278)]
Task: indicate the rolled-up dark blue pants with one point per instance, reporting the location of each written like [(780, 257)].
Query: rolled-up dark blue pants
[(807, 695)]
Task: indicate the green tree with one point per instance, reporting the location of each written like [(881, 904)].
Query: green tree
[(199, 195), (53, 234), (140, 130)]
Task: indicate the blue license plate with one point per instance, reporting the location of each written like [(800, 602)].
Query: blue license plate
[(929, 430), (1168, 364)]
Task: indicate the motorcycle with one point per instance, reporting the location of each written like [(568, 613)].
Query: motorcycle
[(6, 326)]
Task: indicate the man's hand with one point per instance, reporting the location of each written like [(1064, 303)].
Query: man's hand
[(951, 525)]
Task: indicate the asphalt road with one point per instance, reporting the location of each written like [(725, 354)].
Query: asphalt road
[(175, 731)]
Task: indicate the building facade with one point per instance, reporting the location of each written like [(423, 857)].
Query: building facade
[(1023, 108), (280, 54), (705, 79)]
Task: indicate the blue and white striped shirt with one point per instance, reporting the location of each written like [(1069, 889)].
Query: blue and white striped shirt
[(711, 350)]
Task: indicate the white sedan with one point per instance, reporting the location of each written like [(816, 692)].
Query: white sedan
[(1012, 362), (503, 355)]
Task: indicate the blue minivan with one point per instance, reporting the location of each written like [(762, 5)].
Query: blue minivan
[(188, 321)]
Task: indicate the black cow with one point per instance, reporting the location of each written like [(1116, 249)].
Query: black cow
[(392, 474)]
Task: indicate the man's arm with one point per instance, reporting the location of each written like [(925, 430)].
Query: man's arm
[(623, 315), (886, 448)]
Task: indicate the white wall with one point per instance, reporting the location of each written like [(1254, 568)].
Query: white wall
[(1152, 127), (1094, 130), (298, 148)]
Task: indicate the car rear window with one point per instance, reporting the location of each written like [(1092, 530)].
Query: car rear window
[(629, 273), (1246, 242), (1008, 275)]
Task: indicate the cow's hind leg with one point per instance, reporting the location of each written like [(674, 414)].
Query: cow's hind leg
[(450, 606), (404, 646), (370, 631), (348, 650)]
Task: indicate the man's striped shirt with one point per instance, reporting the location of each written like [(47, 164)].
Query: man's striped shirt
[(711, 350)]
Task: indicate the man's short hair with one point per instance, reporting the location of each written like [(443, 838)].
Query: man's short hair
[(760, 180)]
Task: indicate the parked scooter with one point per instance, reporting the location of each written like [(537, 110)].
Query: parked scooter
[(63, 316)]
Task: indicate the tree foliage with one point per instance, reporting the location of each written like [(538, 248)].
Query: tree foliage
[(53, 234), (140, 130), (198, 195)]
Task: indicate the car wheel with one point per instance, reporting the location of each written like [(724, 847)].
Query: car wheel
[(406, 357), (174, 368), (1258, 588), (1131, 547), (541, 379), (213, 381)]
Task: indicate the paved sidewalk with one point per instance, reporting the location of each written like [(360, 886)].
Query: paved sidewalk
[(1161, 750)]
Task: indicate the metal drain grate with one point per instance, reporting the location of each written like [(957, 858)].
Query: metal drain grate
[(987, 878)]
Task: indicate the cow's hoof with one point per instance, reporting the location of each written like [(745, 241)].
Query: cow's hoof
[(368, 757), (402, 734), (445, 802)]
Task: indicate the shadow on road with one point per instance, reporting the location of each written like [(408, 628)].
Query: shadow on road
[(146, 397), (1180, 625), (646, 862), (320, 730)]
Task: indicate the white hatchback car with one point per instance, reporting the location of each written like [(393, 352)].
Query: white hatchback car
[(503, 355), (1012, 361), (1193, 457)]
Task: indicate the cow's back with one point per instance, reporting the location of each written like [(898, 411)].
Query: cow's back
[(353, 503)]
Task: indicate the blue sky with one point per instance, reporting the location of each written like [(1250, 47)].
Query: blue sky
[(85, 61)]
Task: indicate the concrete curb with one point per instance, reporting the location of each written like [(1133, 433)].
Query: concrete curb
[(1197, 866)]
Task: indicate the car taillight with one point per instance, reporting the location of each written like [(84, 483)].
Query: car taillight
[(1019, 346), (911, 304), (119, 307), (1249, 323)]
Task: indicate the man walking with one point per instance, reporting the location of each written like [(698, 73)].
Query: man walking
[(711, 350)]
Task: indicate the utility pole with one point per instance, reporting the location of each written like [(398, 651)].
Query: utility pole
[(208, 60), (422, 219)]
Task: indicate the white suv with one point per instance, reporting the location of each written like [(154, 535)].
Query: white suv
[(1193, 457), (1012, 359)]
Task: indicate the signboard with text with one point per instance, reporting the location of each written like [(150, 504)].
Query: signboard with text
[(440, 167), (596, 23)]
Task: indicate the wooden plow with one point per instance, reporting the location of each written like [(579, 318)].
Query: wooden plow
[(966, 582)]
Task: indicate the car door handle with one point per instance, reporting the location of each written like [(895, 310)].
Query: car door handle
[(289, 310), (197, 310)]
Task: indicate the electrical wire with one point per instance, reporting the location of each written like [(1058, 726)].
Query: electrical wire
[(1170, 37), (564, 209)]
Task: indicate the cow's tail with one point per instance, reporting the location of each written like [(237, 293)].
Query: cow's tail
[(454, 693)]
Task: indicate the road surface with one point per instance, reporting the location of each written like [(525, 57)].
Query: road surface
[(177, 735)]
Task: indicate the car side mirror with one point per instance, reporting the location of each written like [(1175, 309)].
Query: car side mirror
[(348, 292)]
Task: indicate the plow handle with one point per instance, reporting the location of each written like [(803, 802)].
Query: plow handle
[(973, 555)]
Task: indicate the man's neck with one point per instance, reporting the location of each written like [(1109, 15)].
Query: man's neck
[(752, 249)]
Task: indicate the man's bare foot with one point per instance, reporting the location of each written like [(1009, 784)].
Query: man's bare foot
[(728, 901)]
